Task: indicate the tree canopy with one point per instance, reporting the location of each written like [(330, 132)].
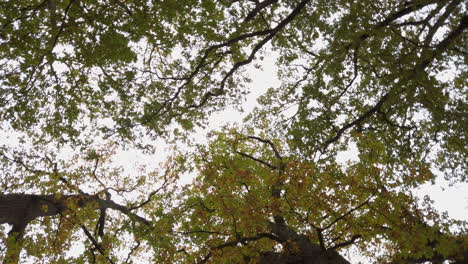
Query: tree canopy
[(384, 79)]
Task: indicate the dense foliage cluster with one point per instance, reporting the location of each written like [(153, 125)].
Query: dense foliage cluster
[(386, 79)]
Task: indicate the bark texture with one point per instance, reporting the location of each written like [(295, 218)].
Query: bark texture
[(301, 249), (19, 209)]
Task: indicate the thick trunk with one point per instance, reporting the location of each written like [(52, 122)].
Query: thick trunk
[(303, 250), (19, 209), (312, 257)]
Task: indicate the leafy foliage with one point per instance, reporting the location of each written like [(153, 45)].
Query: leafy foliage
[(233, 201), (382, 73), (386, 79)]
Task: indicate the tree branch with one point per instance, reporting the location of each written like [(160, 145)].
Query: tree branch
[(258, 8), (346, 214), (95, 243), (346, 243), (266, 141), (257, 160), (271, 33)]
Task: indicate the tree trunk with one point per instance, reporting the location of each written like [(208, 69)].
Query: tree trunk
[(19, 209), (303, 250)]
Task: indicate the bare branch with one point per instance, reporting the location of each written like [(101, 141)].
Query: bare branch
[(346, 243), (269, 142), (258, 8), (95, 243), (433, 29), (271, 33), (257, 160), (346, 214)]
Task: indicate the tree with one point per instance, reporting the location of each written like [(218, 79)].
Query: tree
[(62, 196), (250, 203), (388, 77), (250, 200), (381, 73)]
